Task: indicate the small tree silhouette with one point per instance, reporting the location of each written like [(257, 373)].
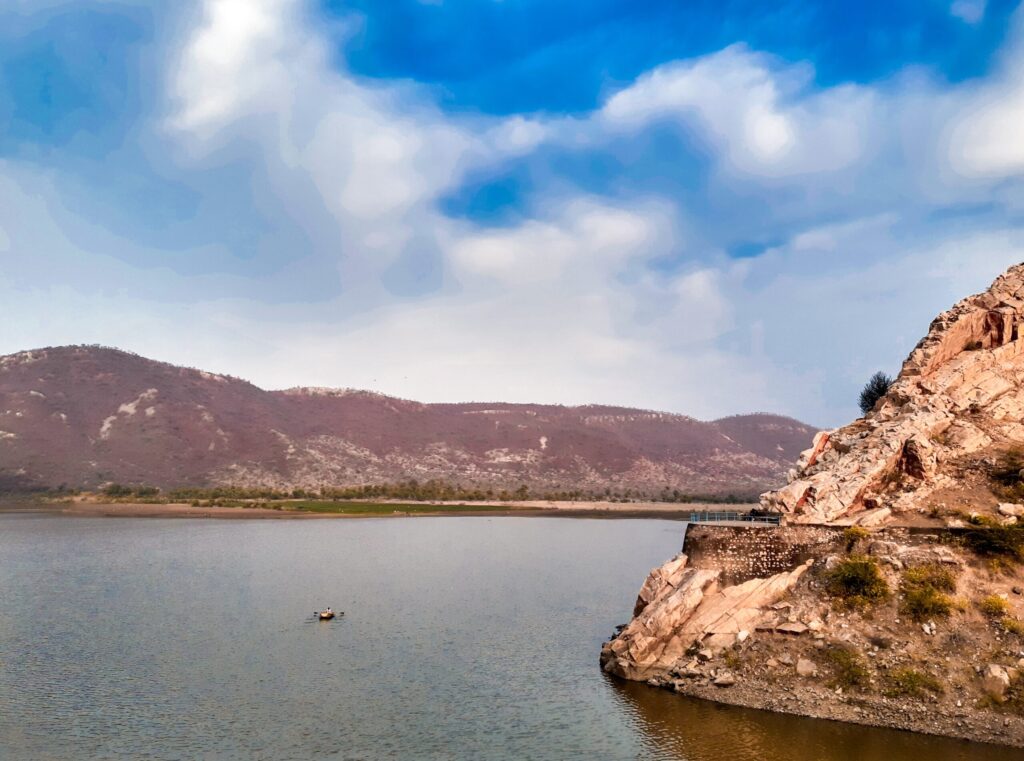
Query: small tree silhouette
[(874, 390)]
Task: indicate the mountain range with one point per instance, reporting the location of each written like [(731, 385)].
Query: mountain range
[(83, 416)]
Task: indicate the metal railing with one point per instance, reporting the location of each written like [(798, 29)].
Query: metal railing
[(732, 516)]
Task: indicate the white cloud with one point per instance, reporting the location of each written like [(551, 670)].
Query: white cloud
[(759, 114), (588, 239), (234, 61), (969, 11), (626, 298), (986, 136)]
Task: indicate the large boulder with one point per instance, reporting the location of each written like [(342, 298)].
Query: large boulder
[(694, 609), (995, 681)]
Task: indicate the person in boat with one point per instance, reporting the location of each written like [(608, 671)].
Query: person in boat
[(328, 612)]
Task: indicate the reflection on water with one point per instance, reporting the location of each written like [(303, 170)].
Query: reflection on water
[(464, 638), (686, 728)]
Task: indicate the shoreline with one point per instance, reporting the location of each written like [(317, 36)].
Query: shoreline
[(599, 510), (967, 725), (757, 619)]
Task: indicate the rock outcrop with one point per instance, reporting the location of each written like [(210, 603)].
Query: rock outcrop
[(959, 393), (941, 659), (915, 622), (685, 610)]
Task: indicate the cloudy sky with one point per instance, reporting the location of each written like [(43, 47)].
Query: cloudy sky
[(704, 207)]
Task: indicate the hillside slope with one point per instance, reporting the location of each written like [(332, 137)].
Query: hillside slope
[(82, 416)]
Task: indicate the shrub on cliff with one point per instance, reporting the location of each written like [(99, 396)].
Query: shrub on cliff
[(1006, 475), (856, 582), (854, 535), (909, 683), (1001, 542), (922, 603), (876, 387), (932, 575), (924, 592), (994, 606), (848, 667)]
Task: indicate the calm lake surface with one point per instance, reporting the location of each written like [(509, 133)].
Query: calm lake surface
[(464, 638)]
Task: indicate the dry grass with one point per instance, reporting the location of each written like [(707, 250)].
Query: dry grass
[(910, 683), (994, 606), (848, 667), (924, 592), (857, 582)]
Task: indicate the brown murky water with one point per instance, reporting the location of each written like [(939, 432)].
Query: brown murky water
[(464, 638)]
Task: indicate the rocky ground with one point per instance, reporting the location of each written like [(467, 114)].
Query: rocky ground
[(794, 643)]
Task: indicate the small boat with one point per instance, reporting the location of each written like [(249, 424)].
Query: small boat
[(326, 615)]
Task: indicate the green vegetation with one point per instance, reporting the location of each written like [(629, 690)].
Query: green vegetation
[(922, 603), (857, 582), (438, 490), (924, 592), (911, 684), (848, 667), (853, 535), (997, 542), (120, 491), (994, 606), (932, 575), (378, 508), (876, 387)]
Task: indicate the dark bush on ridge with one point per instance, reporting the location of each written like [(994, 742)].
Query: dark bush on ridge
[(996, 541), (873, 390)]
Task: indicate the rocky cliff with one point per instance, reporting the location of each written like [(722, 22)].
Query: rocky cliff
[(82, 416), (903, 604), (956, 406), (935, 642)]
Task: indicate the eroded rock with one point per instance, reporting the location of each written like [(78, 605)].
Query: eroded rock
[(962, 383), (696, 610), (995, 681), (806, 667)]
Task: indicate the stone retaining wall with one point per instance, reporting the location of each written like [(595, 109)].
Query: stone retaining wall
[(744, 552)]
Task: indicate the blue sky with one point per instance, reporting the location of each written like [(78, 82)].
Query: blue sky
[(703, 207)]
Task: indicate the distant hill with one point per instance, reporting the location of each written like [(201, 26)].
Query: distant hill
[(83, 416)]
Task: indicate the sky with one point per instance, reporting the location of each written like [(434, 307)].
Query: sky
[(706, 207)]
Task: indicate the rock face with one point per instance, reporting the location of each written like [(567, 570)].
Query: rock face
[(791, 641), (995, 681), (687, 610), (959, 393), (85, 415)]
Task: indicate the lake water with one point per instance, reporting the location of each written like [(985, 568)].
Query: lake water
[(463, 638)]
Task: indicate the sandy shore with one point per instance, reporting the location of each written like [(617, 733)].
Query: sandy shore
[(519, 509)]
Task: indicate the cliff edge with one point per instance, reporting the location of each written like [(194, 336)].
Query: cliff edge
[(893, 595), (956, 405)]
